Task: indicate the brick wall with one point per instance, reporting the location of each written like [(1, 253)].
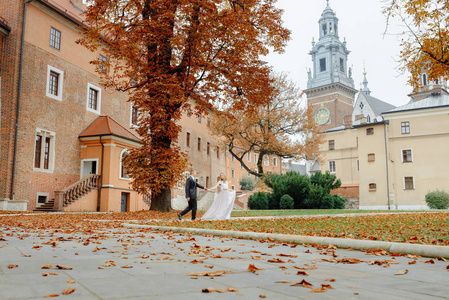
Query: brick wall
[(66, 118), (12, 11)]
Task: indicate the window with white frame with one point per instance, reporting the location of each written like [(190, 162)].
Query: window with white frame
[(134, 116), (372, 187), (232, 173), (332, 166), (44, 151), (407, 156), (255, 157), (55, 38), (55, 78), (357, 165), (266, 160), (232, 187), (41, 199), (123, 173), (232, 158), (93, 98), (249, 157), (409, 183), (102, 62), (275, 162), (405, 127)]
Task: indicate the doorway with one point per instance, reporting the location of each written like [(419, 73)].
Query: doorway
[(89, 166), (124, 202)]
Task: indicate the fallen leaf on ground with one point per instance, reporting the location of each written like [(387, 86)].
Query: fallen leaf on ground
[(12, 266), (330, 279), (282, 281), (276, 260), (47, 267), (126, 267), (430, 261), (262, 296), (68, 291), (252, 268), (61, 267), (321, 290), (25, 255), (326, 286), (52, 295), (412, 262), (303, 273), (45, 274), (233, 290), (209, 290), (53, 273), (71, 280), (303, 283), (403, 272)]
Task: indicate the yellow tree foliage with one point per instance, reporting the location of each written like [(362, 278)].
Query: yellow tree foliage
[(425, 46), (165, 52), (280, 127)]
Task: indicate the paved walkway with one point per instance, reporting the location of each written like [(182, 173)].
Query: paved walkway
[(143, 264)]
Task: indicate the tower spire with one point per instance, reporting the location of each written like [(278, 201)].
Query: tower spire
[(366, 90)]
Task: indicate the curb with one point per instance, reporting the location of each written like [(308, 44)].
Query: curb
[(402, 248)]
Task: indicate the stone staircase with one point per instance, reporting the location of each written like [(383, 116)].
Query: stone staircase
[(47, 207)]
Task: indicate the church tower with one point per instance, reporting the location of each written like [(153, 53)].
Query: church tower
[(330, 87)]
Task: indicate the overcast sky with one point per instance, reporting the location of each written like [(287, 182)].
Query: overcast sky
[(363, 25)]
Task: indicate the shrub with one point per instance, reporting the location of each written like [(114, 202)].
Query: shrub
[(247, 184), (273, 203), (290, 183), (339, 202), (258, 201), (437, 199), (317, 193), (327, 202), (327, 180), (333, 202), (286, 202)]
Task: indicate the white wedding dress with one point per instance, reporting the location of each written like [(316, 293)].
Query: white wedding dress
[(222, 207)]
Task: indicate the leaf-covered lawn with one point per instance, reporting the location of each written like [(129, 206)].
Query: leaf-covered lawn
[(421, 228), (301, 212)]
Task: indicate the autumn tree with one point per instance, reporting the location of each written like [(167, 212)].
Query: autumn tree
[(165, 52), (426, 38), (282, 127)]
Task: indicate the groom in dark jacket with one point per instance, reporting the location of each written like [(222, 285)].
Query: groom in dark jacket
[(191, 186)]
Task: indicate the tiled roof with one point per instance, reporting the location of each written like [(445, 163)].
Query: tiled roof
[(105, 125), (432, 101), (377, 105)]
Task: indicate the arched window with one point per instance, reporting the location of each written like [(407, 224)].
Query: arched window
[(123, 174)]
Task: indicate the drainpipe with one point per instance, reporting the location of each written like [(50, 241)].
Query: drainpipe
[(19, 87), (101, 175), (386, 163)]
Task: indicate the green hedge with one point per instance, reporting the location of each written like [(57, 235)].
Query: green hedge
[(437, 199), (258, 201), (286, 202)]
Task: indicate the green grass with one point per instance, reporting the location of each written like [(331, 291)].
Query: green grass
[(303, 212)]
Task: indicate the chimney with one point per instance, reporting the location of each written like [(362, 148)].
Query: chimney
[(347, 120)]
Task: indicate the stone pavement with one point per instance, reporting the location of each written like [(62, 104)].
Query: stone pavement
[(144, 264)]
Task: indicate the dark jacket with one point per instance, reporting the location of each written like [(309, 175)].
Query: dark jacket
[(191, 186)]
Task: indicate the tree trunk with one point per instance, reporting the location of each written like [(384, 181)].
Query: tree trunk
[(162, 201)]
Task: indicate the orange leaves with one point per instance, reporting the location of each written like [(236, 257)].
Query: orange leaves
[(211, 274), (68, 291), (12, 266), (303, 283), (276, 260), (402, 272), (252, 268), (215, 289)]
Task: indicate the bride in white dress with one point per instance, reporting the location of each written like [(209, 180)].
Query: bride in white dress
[(221, 208)]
